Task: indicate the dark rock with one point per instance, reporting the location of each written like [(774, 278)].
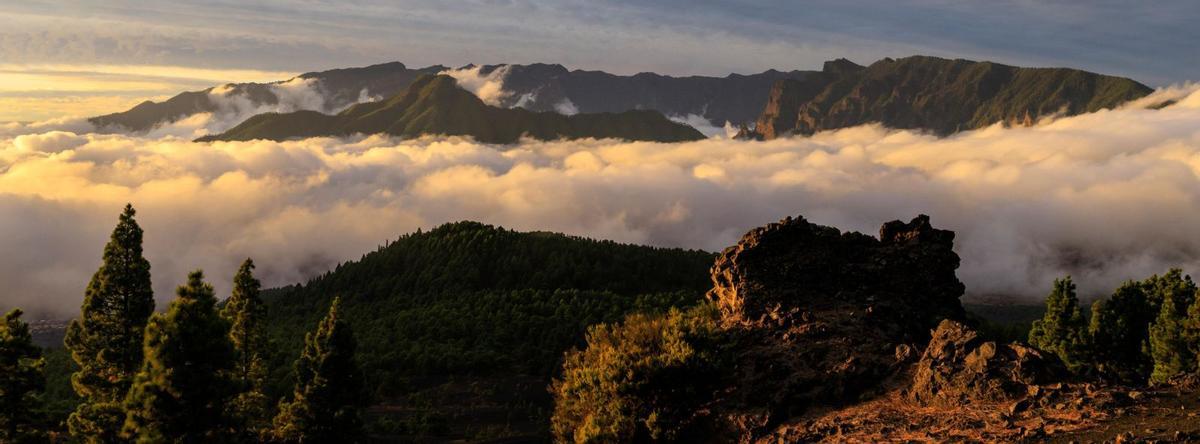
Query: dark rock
[(825, 317), (958, 367)]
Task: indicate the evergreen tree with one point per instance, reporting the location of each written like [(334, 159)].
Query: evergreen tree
[(1119, 328), (1062, 329), (106, 339), (246, 314), (1191, 331), (21, 380), (181, 393), (1168, 345), (328, 394)]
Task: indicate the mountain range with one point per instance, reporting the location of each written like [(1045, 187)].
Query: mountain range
[(434, 104), (935, 94), (939, 95)]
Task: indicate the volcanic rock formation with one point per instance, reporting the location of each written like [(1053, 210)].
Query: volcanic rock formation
[(825, 317)]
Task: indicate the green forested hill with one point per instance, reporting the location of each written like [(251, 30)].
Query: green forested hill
[(439, 309)]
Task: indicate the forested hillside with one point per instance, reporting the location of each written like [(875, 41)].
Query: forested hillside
[(434, 311)]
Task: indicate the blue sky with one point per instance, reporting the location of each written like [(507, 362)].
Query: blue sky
[(1153, 42)]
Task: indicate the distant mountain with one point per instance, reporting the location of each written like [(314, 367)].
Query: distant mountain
[(940, 95), (735, 98), (339, 88), (436, 105)]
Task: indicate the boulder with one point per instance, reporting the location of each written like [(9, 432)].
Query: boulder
[(959, 367)]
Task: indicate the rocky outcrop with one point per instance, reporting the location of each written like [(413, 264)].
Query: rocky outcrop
[(934, 94), (786, 272), (824, 317), (958, 367)]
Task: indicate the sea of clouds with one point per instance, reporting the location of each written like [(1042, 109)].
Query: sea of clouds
[(1105, 197)]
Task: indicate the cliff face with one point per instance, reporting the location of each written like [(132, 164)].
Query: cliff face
[(939, 95), (435, 105)]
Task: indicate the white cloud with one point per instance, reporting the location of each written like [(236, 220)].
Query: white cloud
[(1105, 197), (488, 87)]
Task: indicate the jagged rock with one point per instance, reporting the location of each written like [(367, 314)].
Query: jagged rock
[(787, 272), (824, 317), (959, 367)]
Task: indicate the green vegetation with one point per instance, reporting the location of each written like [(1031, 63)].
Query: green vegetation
[(1146, 332), (22, 379), (1119, 326), (106, 339), (181, 393), (328, 394), (1062, 329), (641, 380), (246, 314), (436, 105)]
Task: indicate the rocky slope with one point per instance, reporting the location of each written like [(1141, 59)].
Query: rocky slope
[(338, 89), (436, 105), (929, 93)]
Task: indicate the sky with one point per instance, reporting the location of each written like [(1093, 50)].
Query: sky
[(88, 57)]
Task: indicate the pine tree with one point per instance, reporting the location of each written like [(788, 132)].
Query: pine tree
[(1119, 328), (1168, 345), (1062, 329), (181, 393), (246, 313), (329, 390), (1191, 331), (21, 381), (106, 339)]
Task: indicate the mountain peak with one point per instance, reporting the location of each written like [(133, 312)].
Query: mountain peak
[(841, 66)]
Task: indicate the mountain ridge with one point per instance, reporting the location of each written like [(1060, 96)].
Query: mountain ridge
[(940, 95), (436, 105)]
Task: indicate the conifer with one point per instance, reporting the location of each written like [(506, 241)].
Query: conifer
[(246, 315), (329, 389), (1062, 329), (22, 379), (181, 393), (1169, 347), (106, 340)]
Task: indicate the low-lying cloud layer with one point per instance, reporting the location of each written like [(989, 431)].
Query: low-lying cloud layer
[(1106, 197)]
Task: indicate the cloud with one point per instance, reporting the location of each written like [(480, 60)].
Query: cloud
[(1105, 197), (488, 87)]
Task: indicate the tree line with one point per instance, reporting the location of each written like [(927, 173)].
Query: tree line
[(194, 373), (1146, 332)]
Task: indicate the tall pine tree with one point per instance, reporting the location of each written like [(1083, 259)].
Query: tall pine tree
[(1062, 329), (181, 393), (329, 389), (106, 339), (246, 315), (22, 379)]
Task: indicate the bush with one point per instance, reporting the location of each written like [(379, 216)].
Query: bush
[(641, 380)]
